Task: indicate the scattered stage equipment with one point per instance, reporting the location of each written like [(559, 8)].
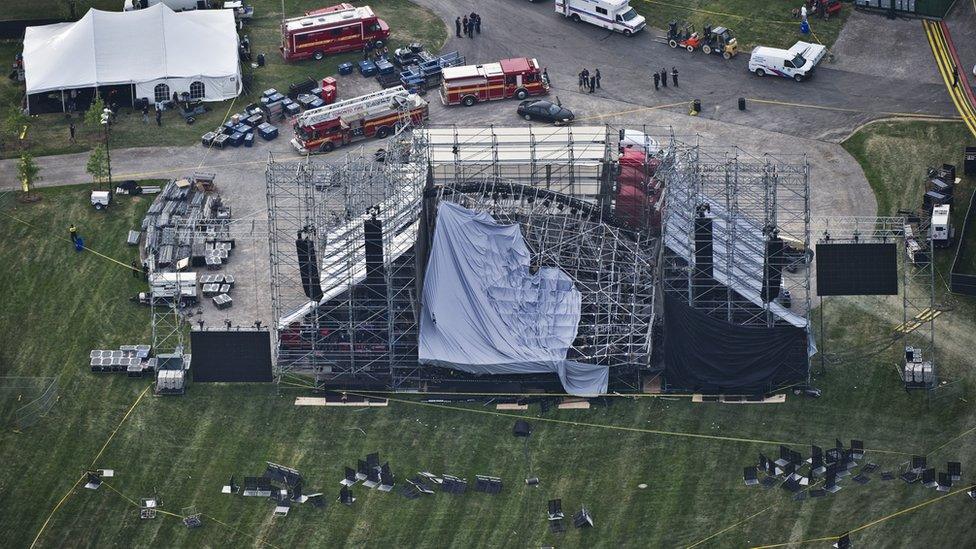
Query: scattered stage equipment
[(386, 478), (191, 517), (454, 485), (350, 478), (749, 476), (231, 355), (844, 541), (857, 269), (522, 428), (532, 481), (488, 485), (284, 475), (955, 470), (583, 519), (93, 480), (345, 496), (917, 373), (555, 509), (918, 464), (257, 487)]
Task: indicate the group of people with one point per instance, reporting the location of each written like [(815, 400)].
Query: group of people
[(661, 78), (588, 81), (468, 24)]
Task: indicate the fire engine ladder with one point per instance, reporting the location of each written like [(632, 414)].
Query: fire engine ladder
[(363, 103), (404, 119)]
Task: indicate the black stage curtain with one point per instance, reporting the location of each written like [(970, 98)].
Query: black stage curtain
[(709, 355)]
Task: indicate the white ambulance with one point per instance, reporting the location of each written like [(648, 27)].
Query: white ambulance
[(615, 15), (797, 62)]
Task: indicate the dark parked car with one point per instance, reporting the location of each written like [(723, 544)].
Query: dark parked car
[(536, 109)]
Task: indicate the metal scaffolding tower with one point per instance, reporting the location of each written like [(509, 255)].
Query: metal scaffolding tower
[(348, 243), (348, 324), (912, 232), (735, 242)]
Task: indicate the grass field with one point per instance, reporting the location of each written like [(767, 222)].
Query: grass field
[(49, 132), (60, 304), (755, 23)]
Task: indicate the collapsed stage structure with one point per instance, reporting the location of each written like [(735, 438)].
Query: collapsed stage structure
[(502, 259)]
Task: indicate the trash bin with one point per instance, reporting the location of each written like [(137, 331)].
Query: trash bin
[(742, 103), (79, 244)]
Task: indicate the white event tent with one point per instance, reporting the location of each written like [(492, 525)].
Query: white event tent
[(150, 53)]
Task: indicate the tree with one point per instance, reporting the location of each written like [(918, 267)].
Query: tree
[(98, 164), (27, 172), (93, 116), (14, 123)]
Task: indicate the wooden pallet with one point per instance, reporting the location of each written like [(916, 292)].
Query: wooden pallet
[(773, 399), (574, 404), (321, 401), (927, 315)]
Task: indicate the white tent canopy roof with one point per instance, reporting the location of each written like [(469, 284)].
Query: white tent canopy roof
[(110, 48)]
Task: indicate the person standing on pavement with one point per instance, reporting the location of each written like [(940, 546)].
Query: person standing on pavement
[(457, 27), (592, 83), (657, 80), (470, 27), (586, 80), (477, 23), (674, 76), (664, 78), (597, 76), (464, 24), (579, 79)]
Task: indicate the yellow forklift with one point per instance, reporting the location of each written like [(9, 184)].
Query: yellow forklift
[(719, 40)]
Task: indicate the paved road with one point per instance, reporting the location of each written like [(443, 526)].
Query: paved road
[(519, 28)]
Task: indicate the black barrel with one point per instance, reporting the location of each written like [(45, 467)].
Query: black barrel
[(742, 103)]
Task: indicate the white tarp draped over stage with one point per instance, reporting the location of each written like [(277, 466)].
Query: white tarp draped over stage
[(485, 312)]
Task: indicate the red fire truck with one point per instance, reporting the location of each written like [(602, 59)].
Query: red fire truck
[(331, 30), (519, 77), (375, 114)]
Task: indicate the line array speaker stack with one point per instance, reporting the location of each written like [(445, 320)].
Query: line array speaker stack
[(309, 268)]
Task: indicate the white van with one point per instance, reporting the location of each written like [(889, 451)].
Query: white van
[(615, 15), (796, 63)]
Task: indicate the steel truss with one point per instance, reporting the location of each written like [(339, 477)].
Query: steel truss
[(558, 185), (918, 273), (355, 329), (750, 200), (614, 269), (757, 211)]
